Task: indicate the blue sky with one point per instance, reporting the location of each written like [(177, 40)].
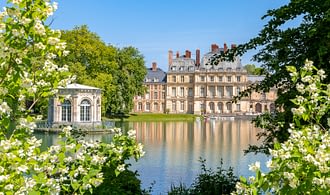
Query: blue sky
[(156, 26)]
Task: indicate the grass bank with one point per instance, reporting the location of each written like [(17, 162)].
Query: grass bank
[(154, 117)]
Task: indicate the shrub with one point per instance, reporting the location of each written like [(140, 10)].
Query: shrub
[(221, 181), (301, 165)]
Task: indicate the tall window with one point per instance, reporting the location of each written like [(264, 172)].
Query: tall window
[(212, 78), (182, 79), (140, 106), (220, 78), (202, 78), (174, 79), (202, 92), (238, 90), (228, 78), (190, 92), (238, 79), (173, 106), (191, 79), (85, 111), (181, 91), (155, 106), (182, 105), (211, 91), (173, 91), (229, 91), (220, 91), (155, 95), (147, 106), (66, 111), (238, 107)]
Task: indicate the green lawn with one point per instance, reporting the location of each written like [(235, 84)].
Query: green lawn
[(155, 117)]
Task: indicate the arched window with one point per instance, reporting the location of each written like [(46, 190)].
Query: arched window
[(258, 107), (155, 107), (211, 105), (229, 107), (85, 111), (66, 111), (220, 107)]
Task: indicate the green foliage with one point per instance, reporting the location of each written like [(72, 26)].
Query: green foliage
[(29, 72), (118, 72), (300, 165), (209, 182), (125, 183), (253, 70), (283, 44)]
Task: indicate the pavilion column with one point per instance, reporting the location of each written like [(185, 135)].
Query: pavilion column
[(74, 109)]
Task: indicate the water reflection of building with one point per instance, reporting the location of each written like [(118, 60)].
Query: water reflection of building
[(196, 86), (218, 136)]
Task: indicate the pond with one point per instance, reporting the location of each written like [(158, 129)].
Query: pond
[(173, 149)]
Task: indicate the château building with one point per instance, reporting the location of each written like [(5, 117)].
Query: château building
[(197, 86)]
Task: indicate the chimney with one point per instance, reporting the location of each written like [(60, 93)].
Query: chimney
[(225, 48), (154, 66), (188, 54), (170, 57), (198, 57), (177, 54), (214, 48), (233, 46)]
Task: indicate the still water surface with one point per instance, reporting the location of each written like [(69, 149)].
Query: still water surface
[(174, 148)]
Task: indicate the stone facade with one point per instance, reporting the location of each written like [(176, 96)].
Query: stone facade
[(197, 86), (154, 98), (76, 104)]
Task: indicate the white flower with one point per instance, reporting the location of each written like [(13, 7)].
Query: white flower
[(121, 167), (308, 65), (18, 61), (298, 111), (67, 131), (300, 87), (9, 187), (3, 178), (22, 168), (307, 79), (86, 186), (40, 46), (30, 183), (53, 40), (321, 73), (4, 108), (25, 20), (131, 133), (39, 28), (66, 52), (312, 87), (16, 1), (254, 167), (288, 175), (293, 183)]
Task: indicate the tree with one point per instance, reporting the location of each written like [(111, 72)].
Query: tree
[(118, 72), (281, 46), (253, 70), (129, 79), (28, 55)]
